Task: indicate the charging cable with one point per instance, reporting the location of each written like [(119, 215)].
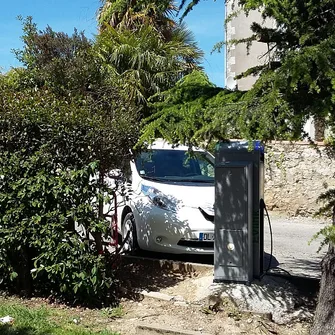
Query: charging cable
[(270, 269)]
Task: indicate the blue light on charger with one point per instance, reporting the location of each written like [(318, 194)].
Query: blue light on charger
[(258, 146)]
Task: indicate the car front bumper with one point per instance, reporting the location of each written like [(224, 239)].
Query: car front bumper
[(160, 230)]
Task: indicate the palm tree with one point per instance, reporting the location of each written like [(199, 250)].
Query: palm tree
[(131, 14), (145, 63), (144, 47)]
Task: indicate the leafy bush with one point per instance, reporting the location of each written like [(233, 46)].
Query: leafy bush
[(54, 153)]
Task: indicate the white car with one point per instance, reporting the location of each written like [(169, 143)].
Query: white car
[(171, 206)]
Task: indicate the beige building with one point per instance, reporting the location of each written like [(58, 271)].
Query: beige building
[(238, 58)]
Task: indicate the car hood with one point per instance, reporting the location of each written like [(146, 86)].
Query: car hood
[(187, 194)]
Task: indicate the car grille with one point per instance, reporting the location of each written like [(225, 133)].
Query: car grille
[(196, 244)]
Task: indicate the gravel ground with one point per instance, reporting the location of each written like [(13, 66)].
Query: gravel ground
[(191, 301), (226, 321)]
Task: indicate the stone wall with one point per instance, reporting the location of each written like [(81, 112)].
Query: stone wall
[(295, 175)]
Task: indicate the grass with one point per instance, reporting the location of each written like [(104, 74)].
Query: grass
[(45, 320), (113, 313)]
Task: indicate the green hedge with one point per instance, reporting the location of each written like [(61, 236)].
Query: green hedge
[(51, 151)]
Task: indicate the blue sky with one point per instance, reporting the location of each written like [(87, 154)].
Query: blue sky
[(206, 21)]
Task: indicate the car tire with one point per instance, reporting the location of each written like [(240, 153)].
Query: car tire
[(130, 246)]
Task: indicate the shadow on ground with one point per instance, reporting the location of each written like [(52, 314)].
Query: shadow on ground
[(202, 259), (8, 330), (283, 298), (156, 271), (150, 274), (289, 266), (302, 267)]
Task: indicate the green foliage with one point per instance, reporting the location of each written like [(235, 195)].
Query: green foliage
[(143, 62), (328, 237), (133, 14), (113, 312), (188, 8), (51, 153), (144, 47), (328, 199), (58, 141), (65, 64), (193, 112), (297, 78), (296, 82), (327, 209)]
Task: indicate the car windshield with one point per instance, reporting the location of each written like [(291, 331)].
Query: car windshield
[(176, 165)]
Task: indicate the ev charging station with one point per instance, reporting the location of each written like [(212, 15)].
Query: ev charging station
[(239, 216)]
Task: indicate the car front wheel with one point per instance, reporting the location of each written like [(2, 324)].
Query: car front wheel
[(129, 234)]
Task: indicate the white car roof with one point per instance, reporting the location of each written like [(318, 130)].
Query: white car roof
[(163, 144)]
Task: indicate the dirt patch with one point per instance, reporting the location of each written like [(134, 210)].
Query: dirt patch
[(190, 307), (224, 320)]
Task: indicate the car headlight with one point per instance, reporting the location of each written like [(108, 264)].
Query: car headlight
[(158, 198)]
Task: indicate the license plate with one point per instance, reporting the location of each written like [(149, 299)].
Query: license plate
[(206, 236)]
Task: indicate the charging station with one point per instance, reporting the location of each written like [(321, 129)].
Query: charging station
[(239, 211)]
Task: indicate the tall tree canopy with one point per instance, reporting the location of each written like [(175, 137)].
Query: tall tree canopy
[(194, 111), (145, 63), (131, 14), (145, 47), (297, 81)]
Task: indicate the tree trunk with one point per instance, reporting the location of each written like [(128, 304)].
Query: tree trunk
[(320, 127), (324, 320), (97, 236), (24, 275)]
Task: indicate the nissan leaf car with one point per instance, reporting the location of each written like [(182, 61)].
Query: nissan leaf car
[(170, 208)]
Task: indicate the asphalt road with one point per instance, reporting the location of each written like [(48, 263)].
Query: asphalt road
[(291, 250)]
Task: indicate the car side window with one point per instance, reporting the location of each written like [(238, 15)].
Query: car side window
[(205, 166)]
